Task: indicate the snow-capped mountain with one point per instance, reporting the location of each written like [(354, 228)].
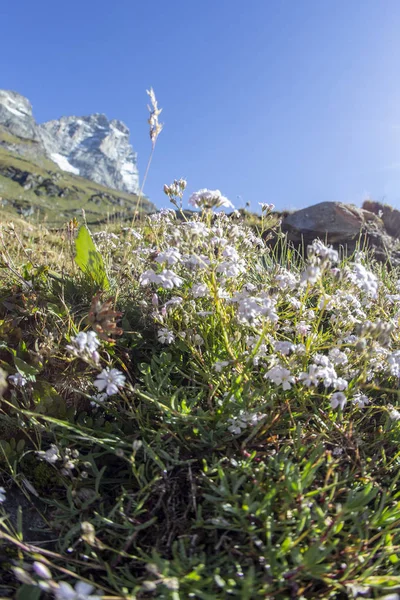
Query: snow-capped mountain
[(93, 147), (90, 146), (16, 115)]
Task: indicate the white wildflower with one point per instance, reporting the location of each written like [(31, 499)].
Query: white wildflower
[(200, 290), (251, 308), (174, 301), (197, 228), (52, 455), (394, 363), (364, 279), (311, 377), (284, 348), (110, 380), (360, 400), (194, 260), (229, 268), (338, 400), (244, 420), (281, 376), (98, 399), (18, 380), (311, 274), (285, 280), (231, 253), (318, 249), (220, 364), (338, 357), (165, 336), (168, 279), (302, 328), (82, 591), (198, 340), (394, 414), (2, 495), (326, 302), (170, 256), (84, 345), (148, 277)]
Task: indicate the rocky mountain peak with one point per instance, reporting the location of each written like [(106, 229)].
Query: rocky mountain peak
[(16, 115), (91, 146)]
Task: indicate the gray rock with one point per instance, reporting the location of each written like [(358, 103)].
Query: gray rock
[(340, 224), (16, 115), (334, 221), (95, 148), (390, 216)]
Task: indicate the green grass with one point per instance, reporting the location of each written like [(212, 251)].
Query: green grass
[(211, 472)]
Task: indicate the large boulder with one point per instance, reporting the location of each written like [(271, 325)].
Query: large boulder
[(390, 216), (339, 224), (335, 221)]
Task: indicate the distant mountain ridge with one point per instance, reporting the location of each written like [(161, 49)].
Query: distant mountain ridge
[(93, 146)]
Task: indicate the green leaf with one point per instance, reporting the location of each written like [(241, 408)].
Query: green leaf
[(24, 369), (89, 259), (28, 592)]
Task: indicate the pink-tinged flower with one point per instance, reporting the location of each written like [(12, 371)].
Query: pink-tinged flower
[(85, 345), (41, 570), (110, 381)]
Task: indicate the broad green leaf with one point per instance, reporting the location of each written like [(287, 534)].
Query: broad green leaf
[(28, 371), (28, 592), (89, 259)]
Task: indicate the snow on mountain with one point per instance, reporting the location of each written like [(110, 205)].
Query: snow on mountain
[(63, 163), (16, 115), (98, 148)]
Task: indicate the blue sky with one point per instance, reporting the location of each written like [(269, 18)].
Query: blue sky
[(283, 101)]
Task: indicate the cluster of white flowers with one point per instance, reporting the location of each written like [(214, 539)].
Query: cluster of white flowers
[(225, 271), (167, 279), (320, 258), (52, 455), (243, 421), (364, 279), (318, 250), (81, 591), (18, 380), (393, 361), (250, 309), (169, 256), (280, 376), (68, 459), (209, 199), (322, 371), (85, 345)]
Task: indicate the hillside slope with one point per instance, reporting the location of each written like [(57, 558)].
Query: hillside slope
[(34, 187)]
